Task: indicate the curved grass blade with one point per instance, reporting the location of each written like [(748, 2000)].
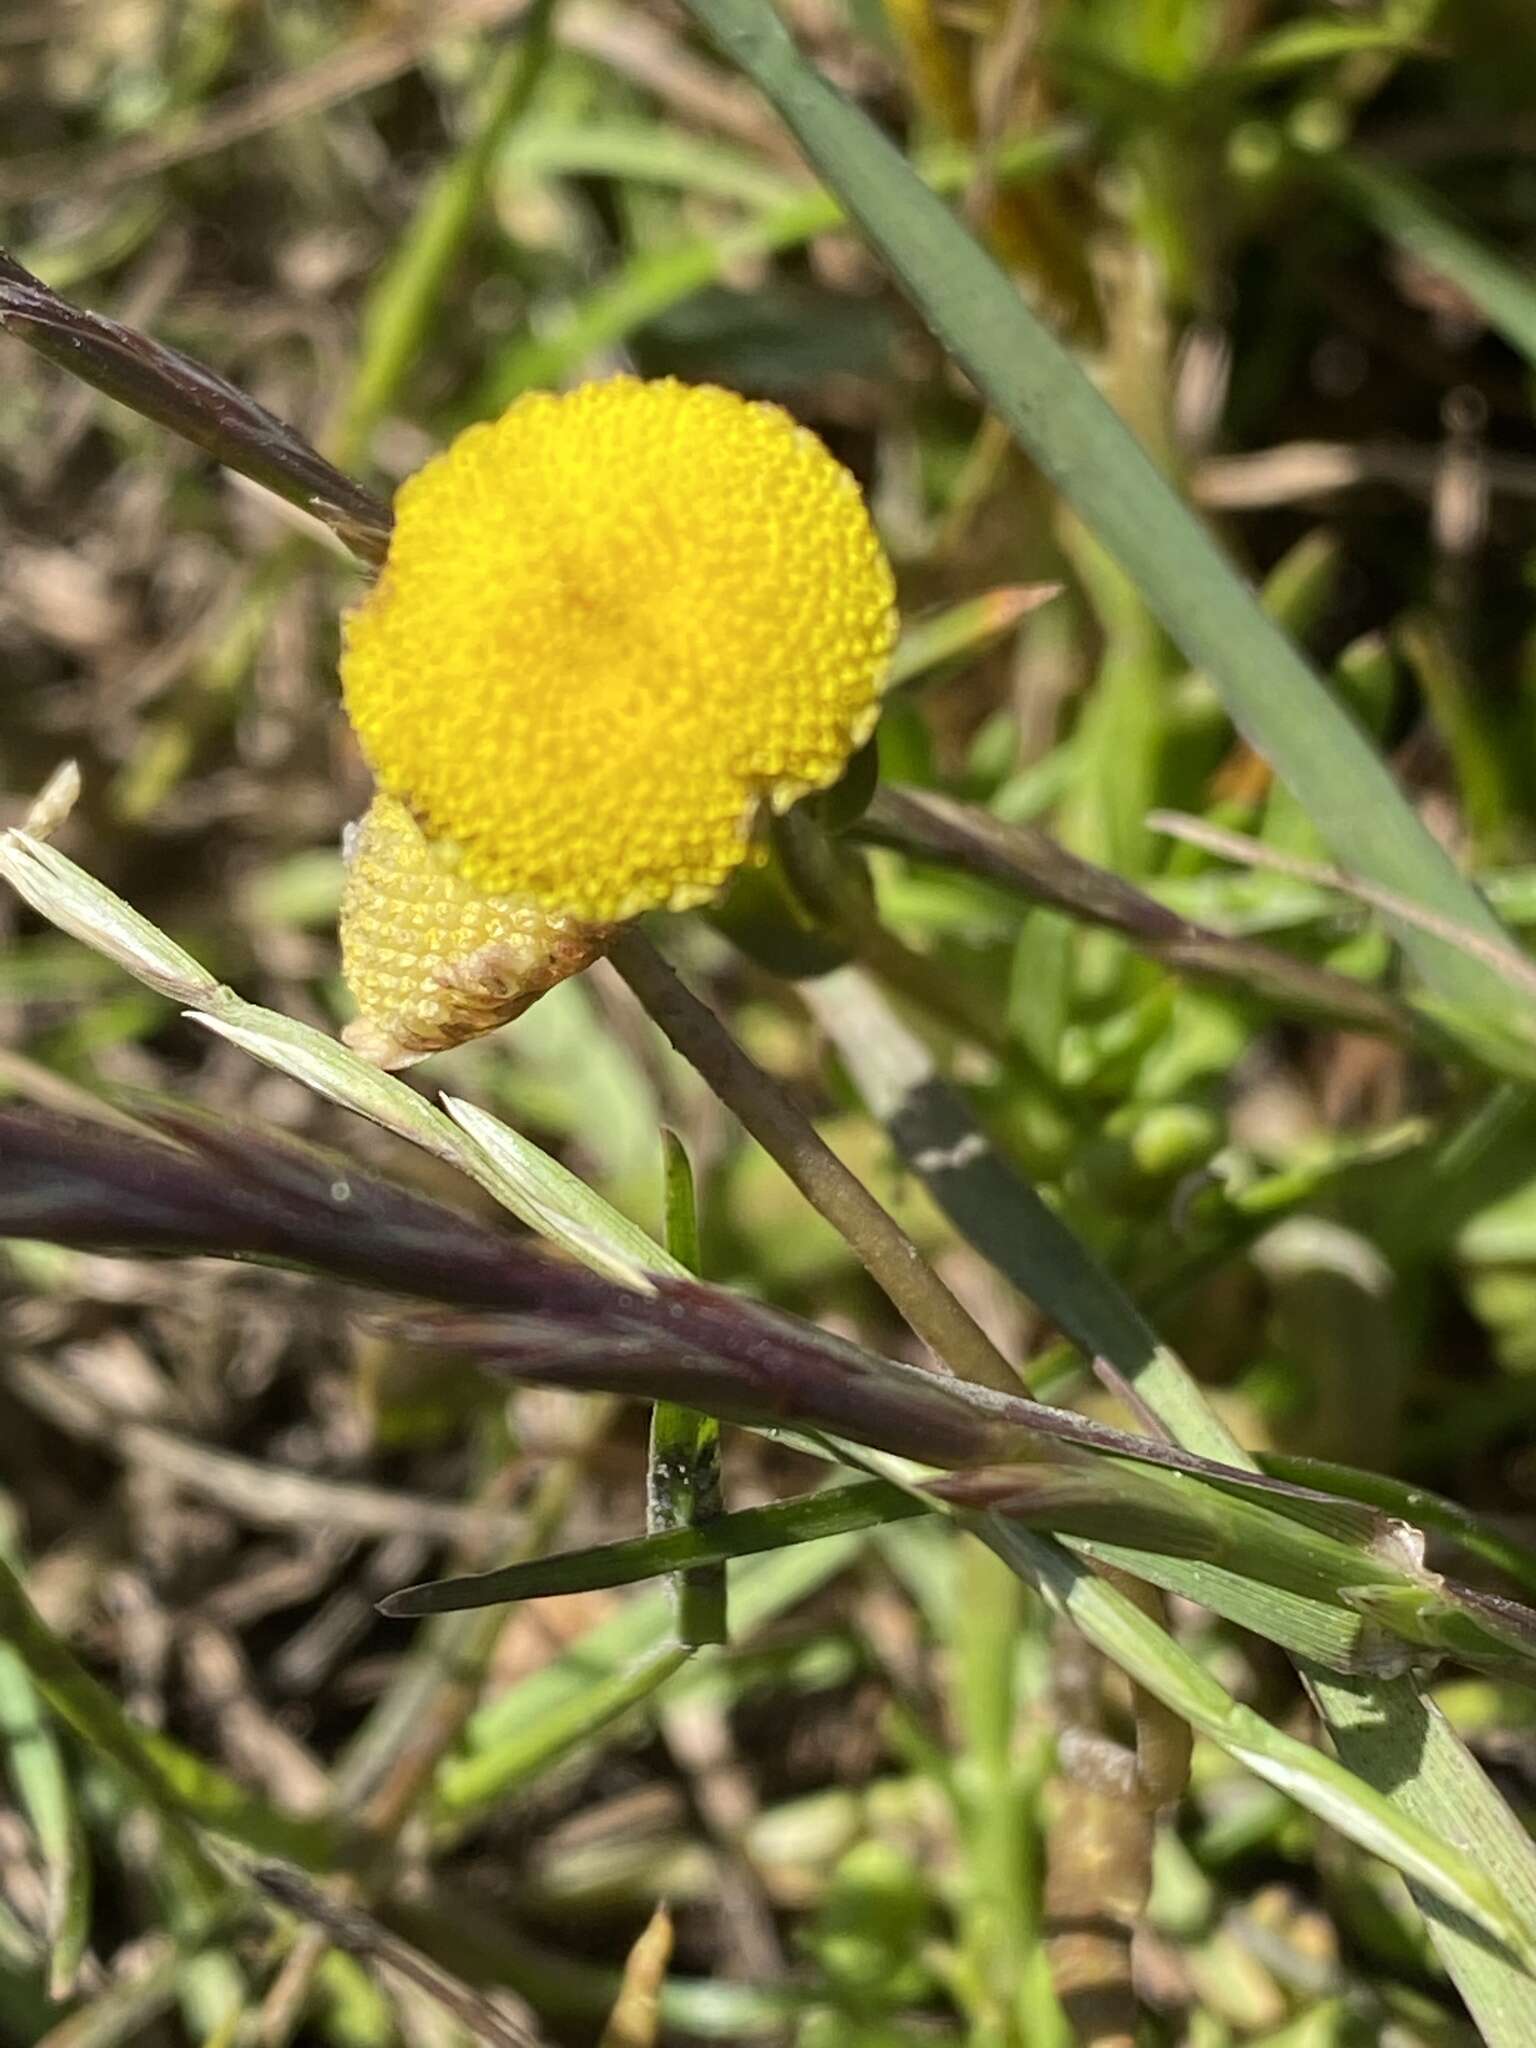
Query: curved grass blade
[(510, 1727), (951, 633), (180, 1787), (467, 1783), (1294, 1564), (1453, 1873), (409, 291)]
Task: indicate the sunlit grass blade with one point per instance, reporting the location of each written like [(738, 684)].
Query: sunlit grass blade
[(630, 148), (868, 1504), (533, 1186), (467, 1783), (1138, 1646), (957, 630), (991, 1205), (747, 1531), (1297, 45), (557, 1203), (615, 1659), (78, 904), (176, 1785)]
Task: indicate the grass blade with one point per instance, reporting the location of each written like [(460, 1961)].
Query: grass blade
[(553, 1201), (467, 1783), (1399, 208), (1060, 419), (1454, 1874), (406, 298), (37, 1771), (748, 1531), (659, 279), (507, 1729), (170, 1780), (682, 1480), (1393, 1737)]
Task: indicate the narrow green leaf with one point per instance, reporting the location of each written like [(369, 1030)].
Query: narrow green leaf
[(682, 1480), (1399, 208), (466, 1783), (37, 1771), (556, 1202), (656, 280), (408, 294), (1297, 45), (958, 630), (534, 1187), (590, 144), (1392, 1734), (175, 1784), (1346, 1802), (1063, 422), (85, 908), (991, 1205), (744, 1533)]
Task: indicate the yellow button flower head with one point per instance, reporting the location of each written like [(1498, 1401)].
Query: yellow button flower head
[(613, 626)]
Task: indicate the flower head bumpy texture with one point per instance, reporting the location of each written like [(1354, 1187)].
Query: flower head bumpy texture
[(430, 960), (613, 625)]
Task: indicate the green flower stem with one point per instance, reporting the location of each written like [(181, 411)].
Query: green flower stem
[(787, 1135), (683, 1468)]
